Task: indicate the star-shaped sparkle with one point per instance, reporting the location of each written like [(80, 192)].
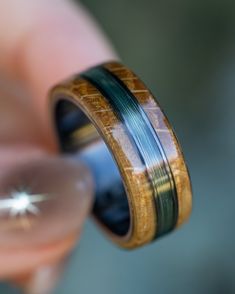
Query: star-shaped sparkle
[(21, 203)]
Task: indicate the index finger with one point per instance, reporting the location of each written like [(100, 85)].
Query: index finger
[(45, 41)]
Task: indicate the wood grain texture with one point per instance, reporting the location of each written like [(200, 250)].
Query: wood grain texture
[(165, 133), (139, 192), (143, 216)]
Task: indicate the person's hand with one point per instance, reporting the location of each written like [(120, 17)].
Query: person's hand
[(41, 42)]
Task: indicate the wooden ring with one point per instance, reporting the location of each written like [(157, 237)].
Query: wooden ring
[(150, 194)]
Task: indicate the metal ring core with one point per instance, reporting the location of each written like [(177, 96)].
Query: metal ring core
[(150, 193)]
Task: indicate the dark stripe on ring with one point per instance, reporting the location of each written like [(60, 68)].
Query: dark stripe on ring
[(146, 140)]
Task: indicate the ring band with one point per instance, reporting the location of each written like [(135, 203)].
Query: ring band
[(150, 193)]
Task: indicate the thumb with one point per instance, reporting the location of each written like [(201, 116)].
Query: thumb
[(43, 204)]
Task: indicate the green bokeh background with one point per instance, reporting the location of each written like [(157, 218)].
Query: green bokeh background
[(185, 52)]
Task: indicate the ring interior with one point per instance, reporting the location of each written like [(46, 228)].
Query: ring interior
[(78, 137)]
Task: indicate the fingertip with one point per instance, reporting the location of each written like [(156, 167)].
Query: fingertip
[(64, 39)]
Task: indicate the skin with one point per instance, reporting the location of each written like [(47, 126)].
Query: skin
[(41, 42)]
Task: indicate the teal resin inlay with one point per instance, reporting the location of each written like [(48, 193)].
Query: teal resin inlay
[(143, 136)]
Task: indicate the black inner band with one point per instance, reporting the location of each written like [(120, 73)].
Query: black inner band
[(111, 205), (143, 136)]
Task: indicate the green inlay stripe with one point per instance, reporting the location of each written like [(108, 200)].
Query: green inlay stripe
[(143, 136)]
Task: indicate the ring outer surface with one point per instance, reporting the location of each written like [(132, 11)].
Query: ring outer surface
[(143, 224)]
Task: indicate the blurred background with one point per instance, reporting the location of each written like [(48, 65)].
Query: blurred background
[(185, 52)]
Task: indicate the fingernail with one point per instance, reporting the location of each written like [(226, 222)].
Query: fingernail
[(43, 201)]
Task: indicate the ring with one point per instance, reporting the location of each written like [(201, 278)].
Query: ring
[(108, 118)]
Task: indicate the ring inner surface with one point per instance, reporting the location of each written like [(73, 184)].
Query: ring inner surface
[(78, 137)]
